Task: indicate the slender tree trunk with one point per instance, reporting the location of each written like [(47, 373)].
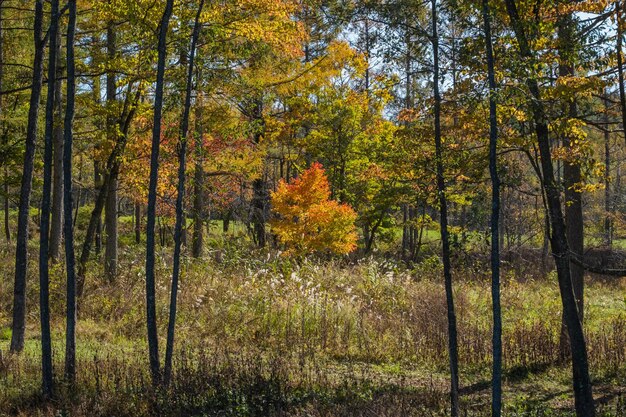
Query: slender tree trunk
[(21, 252), (110, 211), (259, 186), (258, 210), (56, 223), (7, 225), (572, 178), (7, 228), (98, 185), (153, 341), (70, 335), (180, 209), (620, 66), (608, 218), (560, 248), (137, 222), (197, 244), (496, 379), (443, 220), (44, 229)]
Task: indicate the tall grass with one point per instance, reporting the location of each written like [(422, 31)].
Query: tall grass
[(261, 334)]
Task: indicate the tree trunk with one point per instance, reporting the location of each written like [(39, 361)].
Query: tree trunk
[(258, 210), (197, 244), (111, 230), (620, 66), (608, 218), (572, 177), (21, 251), (560, 248), (7, 229), (44, 229), (496, 379), (110, 208), (180, 210), (56, 223), (97, 181), (70, 335), (259, 186), (443, 220), (153, 346), (137, 222), (226, 221)]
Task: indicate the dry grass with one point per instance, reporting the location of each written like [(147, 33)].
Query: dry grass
[(259, 334)]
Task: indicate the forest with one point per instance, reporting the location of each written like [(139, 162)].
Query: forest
[(312, 208)]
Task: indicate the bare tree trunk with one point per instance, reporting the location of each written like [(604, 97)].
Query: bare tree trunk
[(70, 334), (443, 220), (98, 185), (56, 223), (180, 209), (153, 340), (44, 277), (620, 62), (572, 178), (7, 228), (21, 251), (110, 208), (137, 222), (580, 368), (496, 378), (608, 218), (197, 244)]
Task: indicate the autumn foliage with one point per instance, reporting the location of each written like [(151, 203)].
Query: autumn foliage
[(308, 220)]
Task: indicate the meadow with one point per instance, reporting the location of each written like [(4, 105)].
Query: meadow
[(262, 334)]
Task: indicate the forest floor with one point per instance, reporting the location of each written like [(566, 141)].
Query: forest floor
[(261, 334)]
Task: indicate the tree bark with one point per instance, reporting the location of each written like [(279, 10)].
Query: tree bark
[(259, 186), (620, 62), (180, 209), (21, 251), (197, 244), (70, 334), (572, 177), (44, 228), (56, 223), (608, 206), (496, 378), (443, 220), (137, 222), (558, 239), (153, 346), (7, 228), (110, 210), (98, 185)]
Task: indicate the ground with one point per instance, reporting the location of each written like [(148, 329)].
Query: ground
[(261, 334)]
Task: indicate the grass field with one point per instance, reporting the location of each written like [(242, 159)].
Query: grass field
[(260, 334)]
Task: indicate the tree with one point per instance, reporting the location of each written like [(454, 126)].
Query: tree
[(21, 251), (110, 212), (153, 341), (68, 229), (558, 239), (180, 210), (44, 280), (56, 221), (496, 379), (309, 221), (443, 221)]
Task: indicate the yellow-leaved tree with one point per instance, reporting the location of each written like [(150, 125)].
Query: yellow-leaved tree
[(308, 219)]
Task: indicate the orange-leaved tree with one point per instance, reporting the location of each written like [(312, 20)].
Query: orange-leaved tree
[(308, 219)]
